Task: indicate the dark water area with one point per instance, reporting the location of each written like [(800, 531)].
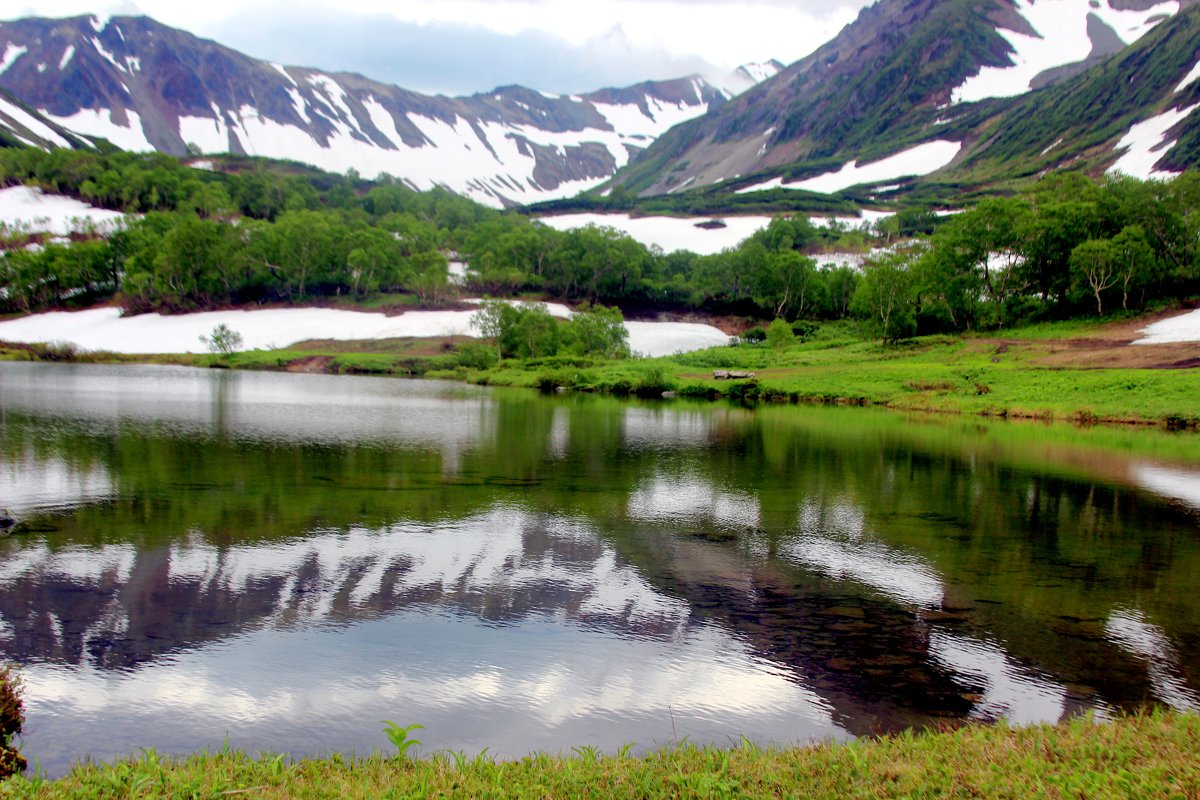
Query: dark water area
[(280, 562)]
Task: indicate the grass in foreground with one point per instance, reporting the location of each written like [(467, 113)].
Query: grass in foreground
[(1155, 755)]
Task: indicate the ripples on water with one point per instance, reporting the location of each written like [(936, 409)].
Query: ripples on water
[(285, 560)]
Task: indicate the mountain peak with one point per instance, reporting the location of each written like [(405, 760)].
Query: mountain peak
[(145, 86)]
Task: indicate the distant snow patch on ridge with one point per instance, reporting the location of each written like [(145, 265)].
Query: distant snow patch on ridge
[(920, 160), (1063, 39), (68, 54), (486, 161), (11, 54), (1146, 144), (1189, 79), (99, 122), (31, 123), (632, 121)]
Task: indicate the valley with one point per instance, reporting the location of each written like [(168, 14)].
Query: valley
[(819, 428)]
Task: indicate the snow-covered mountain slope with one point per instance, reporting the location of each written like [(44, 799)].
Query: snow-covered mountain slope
[(20, 125), (897, 90), (1048, 35), (144, 86)]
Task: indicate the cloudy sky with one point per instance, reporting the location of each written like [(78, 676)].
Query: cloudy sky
[(465, 46)]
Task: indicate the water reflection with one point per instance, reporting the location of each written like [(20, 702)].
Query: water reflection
[(274, 555)]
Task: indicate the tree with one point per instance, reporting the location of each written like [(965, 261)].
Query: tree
[(223, 341), (885, 297), (491, 320), (601, 331), (779, 333)]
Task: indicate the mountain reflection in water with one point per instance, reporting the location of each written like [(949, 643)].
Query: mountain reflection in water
[(286, 559)]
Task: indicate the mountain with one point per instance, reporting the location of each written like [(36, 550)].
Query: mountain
[(904, 90), (145, 86)]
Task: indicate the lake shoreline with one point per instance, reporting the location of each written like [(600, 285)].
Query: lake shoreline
[(644, 378)]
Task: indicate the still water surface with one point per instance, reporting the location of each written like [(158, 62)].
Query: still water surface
[(282, 561)]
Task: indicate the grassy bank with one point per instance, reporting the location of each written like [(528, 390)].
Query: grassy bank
[(1040, 376), (1151, 756)]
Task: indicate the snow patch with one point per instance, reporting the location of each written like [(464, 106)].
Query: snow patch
[(1185, 328), (106, 329), (210, 135), (1062, 39), (27, 208), (31, 123), (11, 54), (67, 55), (109, 56), (669, 233), (1146, 144), (920, 160), (1187, 81), (99, 122)]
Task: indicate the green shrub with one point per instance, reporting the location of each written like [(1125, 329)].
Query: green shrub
[(12, 719)]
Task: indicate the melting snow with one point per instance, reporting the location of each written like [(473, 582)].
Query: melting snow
[(1188, 80), (106, 329), (111, 58), (68, 54), (99, 122), (31, 123), (920, 160), (210, 135), (1063, 39), (11, 54), (1146, 144), (1185, 328), (29, 209), (669, 233)]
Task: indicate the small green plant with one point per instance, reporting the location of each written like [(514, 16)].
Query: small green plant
[(223, 341), (400, 738)]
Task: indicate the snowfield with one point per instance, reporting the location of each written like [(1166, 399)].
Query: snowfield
[(26, 208), (920, 160), (1062, 27), (680, 233), (669, 233), (1185, 328), (486, 161), (31, 124), (106, 329), (1146, 144)]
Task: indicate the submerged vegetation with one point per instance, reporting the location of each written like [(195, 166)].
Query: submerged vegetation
[(1150, 756)]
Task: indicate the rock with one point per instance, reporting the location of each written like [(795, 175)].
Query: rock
[(7, 520)]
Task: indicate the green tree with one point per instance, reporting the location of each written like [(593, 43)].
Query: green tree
[(223, 341), (600, 331), (779, 333), (886, 296)]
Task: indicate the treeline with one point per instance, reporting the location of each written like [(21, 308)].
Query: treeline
[(202, 238), (1066, 247)]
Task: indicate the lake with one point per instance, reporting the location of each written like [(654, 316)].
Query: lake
[(281, 562)]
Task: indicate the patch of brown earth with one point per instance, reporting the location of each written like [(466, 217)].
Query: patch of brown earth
[(1098, 354), (311, 364)]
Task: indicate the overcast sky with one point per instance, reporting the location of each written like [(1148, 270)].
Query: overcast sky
[(466, 46)]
